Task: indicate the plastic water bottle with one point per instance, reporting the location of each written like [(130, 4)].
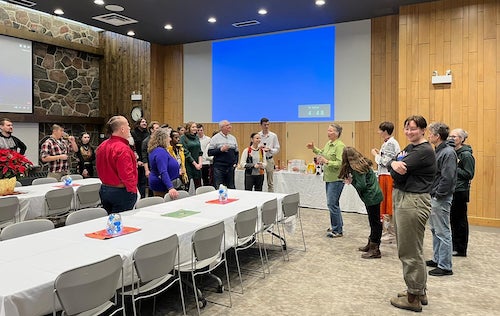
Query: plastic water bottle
[(114, 225), (222, 193), (67, 181)]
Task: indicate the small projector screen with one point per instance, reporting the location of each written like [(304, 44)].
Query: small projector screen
[(289, 76), (16, 83)]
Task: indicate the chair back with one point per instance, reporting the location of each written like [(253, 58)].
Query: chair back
[(43, 181), (182, 194), (85, 215), (90, 286), (290, 204), (245, 223), (58, 201), (9, 206), (148, 201), (204, 189), (26, 228), (88, 195), (76, 176), (156, 259), (18, 184), (269, 212), (207, 241)]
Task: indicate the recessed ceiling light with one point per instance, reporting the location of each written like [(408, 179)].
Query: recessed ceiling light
[(114, 8), (212, 19), (168, 27), (99, 2), (320, 2), (58, 11), (131, 33), (262, 11)]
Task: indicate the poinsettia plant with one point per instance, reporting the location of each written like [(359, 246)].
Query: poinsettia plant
[(13, 164)]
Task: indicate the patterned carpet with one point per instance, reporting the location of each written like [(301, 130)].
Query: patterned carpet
[(330, 278)]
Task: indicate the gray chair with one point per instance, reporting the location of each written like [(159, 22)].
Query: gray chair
[(88, 196), (18, 184), (86, 214), (148, 201), (269, 218), (207, 253), (43, 181), (182, 194), (25, 228), (290, 206), (245, 236), (204, 189), (154, 264), (9, 207), (76, 176), (90, 288), (58, 202)]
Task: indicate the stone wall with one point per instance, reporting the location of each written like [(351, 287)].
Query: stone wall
[(26, 19), (65, 82)]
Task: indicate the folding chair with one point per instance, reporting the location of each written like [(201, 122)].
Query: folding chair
[(182, 194), (25, 228), (290, 205), (9, 207), (88, 196), (86, 214), (204, 189), (58, 202), (148, 201)]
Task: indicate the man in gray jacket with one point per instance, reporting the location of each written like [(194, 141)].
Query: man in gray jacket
[(441, 198)]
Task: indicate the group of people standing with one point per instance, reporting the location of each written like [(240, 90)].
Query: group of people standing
[(428, 180)]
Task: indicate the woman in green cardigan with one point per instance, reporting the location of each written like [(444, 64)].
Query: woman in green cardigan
[(356, 170)]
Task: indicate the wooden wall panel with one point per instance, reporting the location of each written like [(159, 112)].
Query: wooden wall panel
[(462, 36)]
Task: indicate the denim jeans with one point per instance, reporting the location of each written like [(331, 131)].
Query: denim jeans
[(333, 191), (441, 231), (115, 200), (224, 175)]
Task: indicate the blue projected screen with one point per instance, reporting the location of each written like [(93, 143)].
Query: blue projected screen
[(284, 76)]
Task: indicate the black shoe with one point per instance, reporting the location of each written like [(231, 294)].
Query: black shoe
[(459, 254), (431, 263), (440, 272)]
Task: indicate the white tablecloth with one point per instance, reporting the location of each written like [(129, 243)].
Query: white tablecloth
[(311, 188), (30, 264)]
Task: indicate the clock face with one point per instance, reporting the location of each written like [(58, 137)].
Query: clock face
[(136, 113)]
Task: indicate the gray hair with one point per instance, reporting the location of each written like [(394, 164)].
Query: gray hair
[(338, 128), (222, 123), (461, 133), (440, 129)]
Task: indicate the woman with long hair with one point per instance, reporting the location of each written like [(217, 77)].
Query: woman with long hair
[(85, 156), (193, 152), (176, 150), (164, 168), (357, 170), (254, 161)]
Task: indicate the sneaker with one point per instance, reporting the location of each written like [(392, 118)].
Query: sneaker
[(431, 263), (423, 298), (329, 230), (440, 272), (403, 303), (459, 254), (334, 235)]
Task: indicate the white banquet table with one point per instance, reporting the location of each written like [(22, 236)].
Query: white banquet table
[(311, 188), (30, 264)]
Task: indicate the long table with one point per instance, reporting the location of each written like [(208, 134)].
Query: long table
[(311, 188), (30, 264)]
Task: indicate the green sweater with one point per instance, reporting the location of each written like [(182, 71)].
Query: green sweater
[(333, 153), (367, 186)]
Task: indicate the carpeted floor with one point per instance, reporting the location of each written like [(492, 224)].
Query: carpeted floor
[(330, 278)]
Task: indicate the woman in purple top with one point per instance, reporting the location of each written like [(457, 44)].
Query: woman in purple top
[(164, 168)]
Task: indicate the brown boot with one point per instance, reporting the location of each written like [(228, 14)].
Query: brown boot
[(373, 251), (410, 302), (365, 248), (423, 297)]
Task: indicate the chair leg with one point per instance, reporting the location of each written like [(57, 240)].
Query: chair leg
[(182, 294), (261, 258), (265, 253), (228, 283), (239, 270), (284, 250), (301, 229)]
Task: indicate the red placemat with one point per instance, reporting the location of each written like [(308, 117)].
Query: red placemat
[(60, 186), (221, 202), (13, 193), (103, 234)]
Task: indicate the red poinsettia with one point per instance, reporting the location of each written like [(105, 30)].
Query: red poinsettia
[(13, 164)]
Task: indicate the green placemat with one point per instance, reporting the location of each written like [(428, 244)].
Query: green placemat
[(180, 213)]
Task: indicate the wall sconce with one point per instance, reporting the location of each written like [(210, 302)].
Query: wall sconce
[(437, 79)]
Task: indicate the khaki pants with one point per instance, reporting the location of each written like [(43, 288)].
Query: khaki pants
[(270, 174), (57, 175)]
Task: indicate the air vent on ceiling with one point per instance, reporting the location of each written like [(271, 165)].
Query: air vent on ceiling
[(24, 3), (246, 23), (114, 19)]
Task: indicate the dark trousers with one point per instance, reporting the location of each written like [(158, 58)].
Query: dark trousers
[(142, 181), (224, 175), (375, 223), (459, 222), (115, 200), (206, 175), (252, 182)]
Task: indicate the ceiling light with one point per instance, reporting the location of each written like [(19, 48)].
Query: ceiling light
[(212, 19), (114, 8), (320, 2), (262, 11), (168, 27), (99, 2), (58, 11), (131, 33)]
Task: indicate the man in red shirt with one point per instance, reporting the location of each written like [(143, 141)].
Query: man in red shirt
[(117, 168)]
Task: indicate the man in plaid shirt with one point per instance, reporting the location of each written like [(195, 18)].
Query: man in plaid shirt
[(55, 150)]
